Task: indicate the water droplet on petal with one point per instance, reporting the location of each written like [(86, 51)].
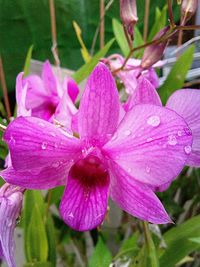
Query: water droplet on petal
[(44, 145), (41, 124), (129, 170), (153, 121), (127, 132), (187, 131), (55, 164), (71, 215), (188, 149), (53, 134), (172, 140), (12, 140), (148, 169), (179, 133)]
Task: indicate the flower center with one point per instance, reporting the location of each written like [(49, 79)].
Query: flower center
[(90, 172)]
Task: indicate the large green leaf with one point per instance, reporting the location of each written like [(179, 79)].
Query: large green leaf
[(138, 41), (177, 75), (160, 22), (120, 37), (179, 243), (31, 199), (38, 264), (101, 256), (50, 229), (86, 69), (37, 242)]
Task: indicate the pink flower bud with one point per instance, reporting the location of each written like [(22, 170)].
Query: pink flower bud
[(154, 52), (188, 9), (128, 13)]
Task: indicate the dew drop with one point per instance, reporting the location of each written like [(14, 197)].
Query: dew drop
[(188, 149), (41, 124), (12, 140), (53, 134), (55, 164), (129, 170), (149, 139), (148, 169), (44, 145), (153, 121), (179, 133), (172, 140), (71, 215), (127, 132)]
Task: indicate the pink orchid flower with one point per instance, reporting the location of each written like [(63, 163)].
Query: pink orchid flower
[(10, 207), (42, 95), (129, 76), (123, 161), (185, 102)]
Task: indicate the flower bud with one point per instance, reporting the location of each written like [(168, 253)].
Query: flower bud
[(188, 9), (154, 52), (128, 13)]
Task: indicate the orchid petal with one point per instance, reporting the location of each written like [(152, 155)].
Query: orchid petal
[(21, 92), (99, 107), (186, 103), (65, 111), (136, 198), (49, 78), (9, 212), (36, 92), (147, 144), (72, 88), (145, 93), (84, 203), (35, 143), (44, 178)]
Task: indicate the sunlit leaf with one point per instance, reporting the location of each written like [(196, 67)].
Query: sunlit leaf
[(177, 75), (28, 61), (86, 69)]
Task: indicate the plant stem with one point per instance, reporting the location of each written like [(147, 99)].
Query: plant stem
[(2, 127), (102, 23), (54, 48), (146, 20), (170, 12), (4, 88)]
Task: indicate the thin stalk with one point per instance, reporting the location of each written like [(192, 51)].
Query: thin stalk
[(170, 13), (164, 37), (98, 27), (2, 127), (180, 39), (102, 23), (146, 20), (127, 37), (4, 88), (54, 48)]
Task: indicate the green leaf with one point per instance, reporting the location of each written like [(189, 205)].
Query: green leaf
[(195, 240), (101, 256), (150, 247), (129, 246), (31, 199), (177, 75), (50, 230), (37, 243), (38, 264), (178, 242), (86, 69), (28, 61), (160, 22), (120, 37), (138, 41)]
